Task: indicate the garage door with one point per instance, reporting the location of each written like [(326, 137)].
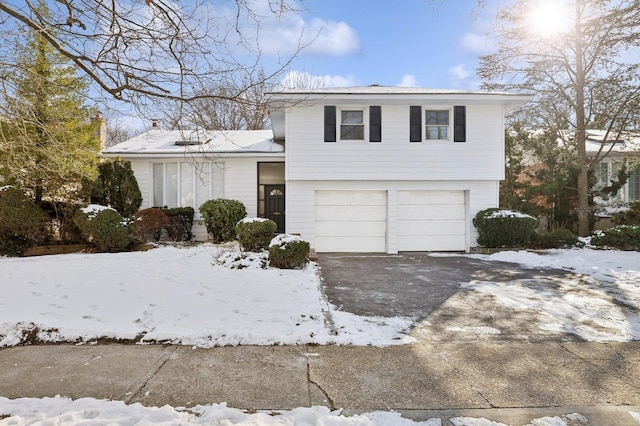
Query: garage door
[(351, 221), (431, 221)]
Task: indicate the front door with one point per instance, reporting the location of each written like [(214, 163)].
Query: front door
[(274, 205)]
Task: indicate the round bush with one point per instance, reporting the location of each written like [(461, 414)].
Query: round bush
[(104, 227), (149, 223), (255, 233), (288, 252), (220, 218), (624, 237), (22, 223), (560, 238), (503, 228)]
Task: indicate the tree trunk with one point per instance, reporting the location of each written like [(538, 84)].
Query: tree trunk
[(580, 134)]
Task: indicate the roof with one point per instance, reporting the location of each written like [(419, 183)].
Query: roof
[(377, 89), (626, 143), (401, 94), (180, 142)]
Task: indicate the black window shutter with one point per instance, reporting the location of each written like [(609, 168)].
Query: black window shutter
[(375, 124), (329, 123), (459, 124), (415, 124)]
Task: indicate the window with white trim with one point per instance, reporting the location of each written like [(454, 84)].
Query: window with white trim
[(634, 185), (352, 124), (185, 184), (436, 124)]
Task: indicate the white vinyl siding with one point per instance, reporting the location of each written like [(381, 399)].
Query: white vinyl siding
[(481, 157)]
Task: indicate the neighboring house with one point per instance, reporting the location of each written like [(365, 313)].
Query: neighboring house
[(606, 171), (365, 169)]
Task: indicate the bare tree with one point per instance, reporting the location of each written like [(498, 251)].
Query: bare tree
[(150, 49), (238, 104), (583, 75)]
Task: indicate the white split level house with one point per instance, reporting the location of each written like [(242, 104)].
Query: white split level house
[(359, 169)]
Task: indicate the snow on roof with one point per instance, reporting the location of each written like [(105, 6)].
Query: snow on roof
[(599, 140), (377, 89), (159, 141)]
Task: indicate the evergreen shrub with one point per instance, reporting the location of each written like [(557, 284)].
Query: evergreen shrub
[(22, 223), (149, 224), (630, 216), (104, 227), (560, 238), (255, 233), (624, 237), (220, 218), (180, 223), (117, 187), (503, 228), (288, 252)]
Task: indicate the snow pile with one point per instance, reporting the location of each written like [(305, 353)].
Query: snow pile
[(89, 411)]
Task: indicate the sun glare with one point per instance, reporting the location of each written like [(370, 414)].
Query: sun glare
[(549, 18)]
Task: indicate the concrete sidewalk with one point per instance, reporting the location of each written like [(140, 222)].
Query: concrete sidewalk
[(508, 382)]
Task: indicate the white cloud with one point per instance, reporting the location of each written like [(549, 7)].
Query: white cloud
[(477, 44), (408, 80), (460, 77), (305, 80), (285, 34)]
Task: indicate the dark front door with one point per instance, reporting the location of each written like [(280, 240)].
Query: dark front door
[(274, 205)]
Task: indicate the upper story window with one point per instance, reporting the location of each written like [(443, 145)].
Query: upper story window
[(436, 124), (352, 124), (440, 124)]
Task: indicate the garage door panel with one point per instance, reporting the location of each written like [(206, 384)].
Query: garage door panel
[(357, 213), (431, 221), (332, 198), (351, 221), (445, 212), (368, 198)]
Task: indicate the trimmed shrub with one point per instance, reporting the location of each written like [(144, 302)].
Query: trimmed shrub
[(149, 224), (630, 216), (104, 227), (220, 218), (288, 252), (22, 223), (255, 233), (117, 187), (560, 238), (503, 228), (624, 237), (180, 223)]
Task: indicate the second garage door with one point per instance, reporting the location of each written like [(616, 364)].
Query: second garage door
[(431, 221), (351, 221)]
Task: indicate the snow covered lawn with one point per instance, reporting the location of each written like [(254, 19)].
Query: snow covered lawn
[(205, 295), (199, 295)]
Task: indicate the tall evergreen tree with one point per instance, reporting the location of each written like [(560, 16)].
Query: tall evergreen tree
[(49, 136)]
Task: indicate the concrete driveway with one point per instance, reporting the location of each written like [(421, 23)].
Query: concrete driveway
[(439, 293)]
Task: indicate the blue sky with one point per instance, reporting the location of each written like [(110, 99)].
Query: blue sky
[(421, 43)]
